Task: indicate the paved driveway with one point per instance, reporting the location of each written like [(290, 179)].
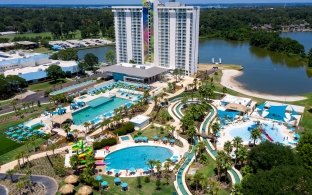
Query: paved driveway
[(49, 183)]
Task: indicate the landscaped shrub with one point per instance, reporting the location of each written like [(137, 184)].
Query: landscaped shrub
[(125, 129), (104, 142), (147, 180)]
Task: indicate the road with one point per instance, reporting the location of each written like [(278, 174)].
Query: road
[(49, 183)]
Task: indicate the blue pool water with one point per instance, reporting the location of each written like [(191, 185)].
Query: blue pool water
[(137, 157), (98, 107), (274, 131)]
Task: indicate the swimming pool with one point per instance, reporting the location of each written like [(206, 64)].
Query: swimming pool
[(137, 157), (97, 107), (274, 132)]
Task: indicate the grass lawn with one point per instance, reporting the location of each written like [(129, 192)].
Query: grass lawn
[(10, 156), (147, 188), (150, 131), (9, 148), (46, 85), (42, 50)]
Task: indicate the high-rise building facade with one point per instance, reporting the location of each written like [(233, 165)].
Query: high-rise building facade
[(163, 34)]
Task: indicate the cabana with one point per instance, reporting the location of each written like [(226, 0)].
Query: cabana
[(236, 107), (277, 113), (60, 119)]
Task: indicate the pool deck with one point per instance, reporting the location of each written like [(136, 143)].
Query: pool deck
[(178, 151)]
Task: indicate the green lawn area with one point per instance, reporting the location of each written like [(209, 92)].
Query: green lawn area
[(150, 131), (7, 144), (46, 85), (147, 188), (10, 156)]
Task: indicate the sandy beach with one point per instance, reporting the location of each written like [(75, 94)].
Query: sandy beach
[(228, 80)]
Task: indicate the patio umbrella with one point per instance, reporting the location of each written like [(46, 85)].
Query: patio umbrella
[(14, 135), (165, 139), (124, 185), (19, 131), (9, 133), (156, 137), (29, 134), (71, 179), (117, 180), (99, 178), (104, 183), (67, 189), (175, 156), (24, 133), (20, 137), (85, 190), (132, 170), (172, 140)]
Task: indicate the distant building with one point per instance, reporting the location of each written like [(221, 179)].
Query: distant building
[(31, 66), (164, 35)]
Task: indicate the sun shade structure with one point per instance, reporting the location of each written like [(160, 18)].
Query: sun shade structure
[(85, 190), (117, 180), (104, 183), (60, 119), (99, 178), (67, 189), (276, 113), (71, 179), (236, 107)]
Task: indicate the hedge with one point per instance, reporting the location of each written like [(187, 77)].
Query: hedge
[(104, 142), (125, 129)]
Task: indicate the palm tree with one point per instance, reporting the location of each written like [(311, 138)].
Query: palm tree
[(236, 189), (224, 90), (215, 130), (10, 173), (104, 123), (171, 128), (86, 125), (191, 132), (195, 82), (158, 168), (18, 157), (255, 134), (237, 141), (200, 147), (242, 154), (151, 163), (223, 163), (197, 178), (176, 73), (145, 96), (66, 128), (228, 147), (74, 161), (52, 147), (155, 99), (14, 103)]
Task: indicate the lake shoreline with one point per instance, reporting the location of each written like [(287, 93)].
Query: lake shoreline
[(228, 80)]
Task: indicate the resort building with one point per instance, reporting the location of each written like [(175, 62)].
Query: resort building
[(18, 59), (162, 34), (134, 72), (37, 73)]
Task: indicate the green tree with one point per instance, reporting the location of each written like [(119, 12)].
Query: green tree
[(279, 180), (110, 56), (55, 72), (223, 163), (91, 60), (67, 55), (197, 178), (267, 155), (228, 147), (200, 147), (255, 134), (304, 149), (310, 58), (215, 130)]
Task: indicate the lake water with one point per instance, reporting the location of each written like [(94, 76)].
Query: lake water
[(98, 51), (264, 71)]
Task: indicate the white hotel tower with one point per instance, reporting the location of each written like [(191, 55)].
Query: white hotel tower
[(160, 34)]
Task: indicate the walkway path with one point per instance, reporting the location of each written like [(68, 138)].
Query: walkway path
[(4, 190), (49, 183)]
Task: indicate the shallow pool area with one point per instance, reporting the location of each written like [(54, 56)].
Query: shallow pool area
[(97, 107), (136, 157), (271, 131)]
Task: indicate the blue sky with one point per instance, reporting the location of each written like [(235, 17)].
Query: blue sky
[(139, 1)]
